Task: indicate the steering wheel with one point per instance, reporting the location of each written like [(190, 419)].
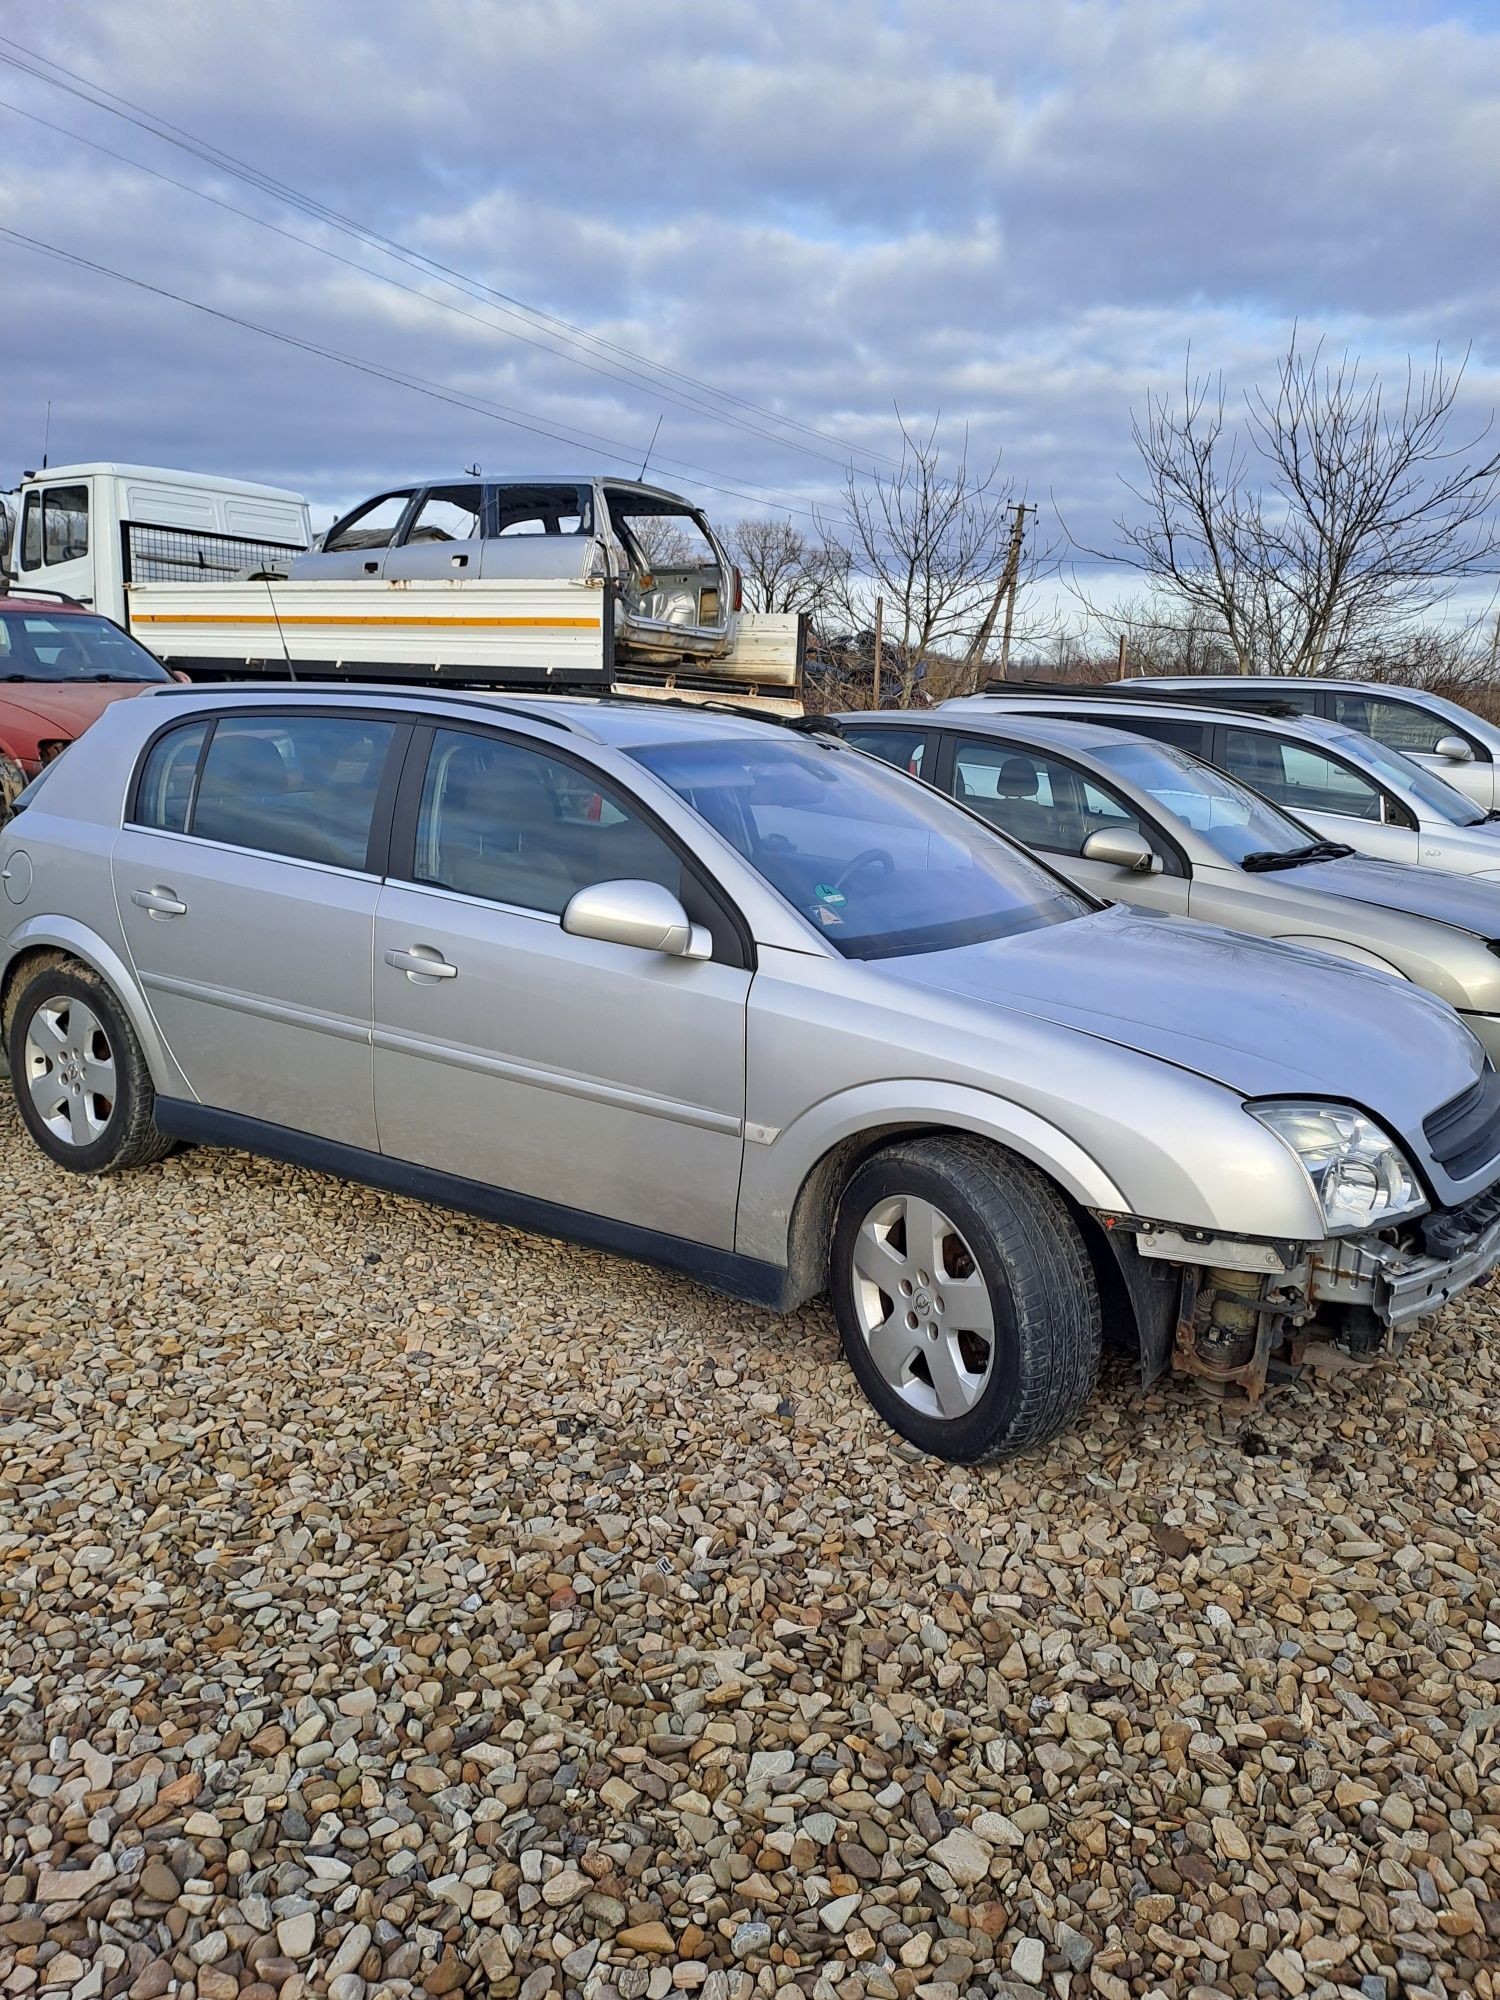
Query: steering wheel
[(870, 858)]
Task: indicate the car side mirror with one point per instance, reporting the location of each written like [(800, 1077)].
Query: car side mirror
[(642, 914), (1455, 749), (1120, 847)]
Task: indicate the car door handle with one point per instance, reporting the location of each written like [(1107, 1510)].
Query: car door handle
[(159, 902), (371, 568), (422, 962), (459, 562)]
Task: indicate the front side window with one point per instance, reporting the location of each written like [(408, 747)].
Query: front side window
[(56, 526), (303, 786), (509, 823), (369, 527), (71, 646), (1230, 818), (1036, 799), (879, 866), (1442, 800), (1400, 725), (446, 514), (1297, 777), (906, 749)]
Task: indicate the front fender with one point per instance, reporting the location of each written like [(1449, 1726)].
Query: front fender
[(1352, 954), (776, 1168), (64, 934)]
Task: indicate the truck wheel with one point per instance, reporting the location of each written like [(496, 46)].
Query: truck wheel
[(80, 1080), (965, 1298)]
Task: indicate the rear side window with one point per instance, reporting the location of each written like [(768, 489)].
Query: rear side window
[(543, 510), (1181, 735), (164, 796), (303, 786)]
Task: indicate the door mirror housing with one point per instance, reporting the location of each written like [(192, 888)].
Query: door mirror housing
[(1121, 847), (642, 914), (1455, 749)]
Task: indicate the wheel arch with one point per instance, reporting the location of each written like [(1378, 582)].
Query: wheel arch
[(58, 938)]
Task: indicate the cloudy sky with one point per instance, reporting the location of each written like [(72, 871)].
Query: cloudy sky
[(768, 226)]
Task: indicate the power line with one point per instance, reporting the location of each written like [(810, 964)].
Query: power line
[(511, 307), (420, 385)]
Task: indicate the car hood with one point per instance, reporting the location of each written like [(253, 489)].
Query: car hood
[(1470, 902), (65, 706), (1265, 1019)]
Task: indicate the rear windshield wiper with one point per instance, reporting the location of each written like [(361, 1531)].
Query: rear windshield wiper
[(1293, 857)]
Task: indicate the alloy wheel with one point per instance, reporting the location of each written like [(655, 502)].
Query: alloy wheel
[(924, 1310), (70, 1070)]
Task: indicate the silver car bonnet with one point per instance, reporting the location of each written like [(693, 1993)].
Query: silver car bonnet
[(1470, 902), (1197, 996)]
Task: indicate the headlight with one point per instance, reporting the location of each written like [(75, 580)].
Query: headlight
[(1359, 1174)]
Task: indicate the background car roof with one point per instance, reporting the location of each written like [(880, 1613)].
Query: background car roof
[(1317, 728), (66, 604)]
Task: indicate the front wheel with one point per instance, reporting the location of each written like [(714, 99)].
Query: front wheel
[(80, 1080), (965, 1298)]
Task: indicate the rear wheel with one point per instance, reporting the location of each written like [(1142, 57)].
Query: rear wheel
[(965, 1298), (80, 1080)]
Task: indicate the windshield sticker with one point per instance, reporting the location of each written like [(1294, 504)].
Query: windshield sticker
[(829, 919), (829, 893)]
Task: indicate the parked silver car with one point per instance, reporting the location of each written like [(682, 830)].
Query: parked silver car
[(1142, 823), (746, 1002), (1345, 785), (1443, 735)]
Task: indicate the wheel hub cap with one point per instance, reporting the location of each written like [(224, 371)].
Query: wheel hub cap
[(923, 1308)]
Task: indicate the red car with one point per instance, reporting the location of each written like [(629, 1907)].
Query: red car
[(61, 665)]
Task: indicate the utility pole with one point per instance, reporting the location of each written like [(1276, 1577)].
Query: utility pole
[(1005, 590), (879, 629)]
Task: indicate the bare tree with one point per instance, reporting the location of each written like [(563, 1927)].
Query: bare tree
[(783, 569), (1328, 514), (932, 540)]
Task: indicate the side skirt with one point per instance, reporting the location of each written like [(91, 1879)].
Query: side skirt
[(744, 1278)]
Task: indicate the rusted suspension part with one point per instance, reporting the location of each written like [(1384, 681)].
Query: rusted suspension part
[(1229, 1325)]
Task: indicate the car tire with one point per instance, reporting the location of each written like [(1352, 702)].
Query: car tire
[(979, 1339), (80, 1080)]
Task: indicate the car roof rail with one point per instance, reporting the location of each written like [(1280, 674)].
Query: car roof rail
[(368, 690), (1197, 696)]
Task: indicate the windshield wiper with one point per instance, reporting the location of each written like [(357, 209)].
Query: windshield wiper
[(1293, 857)]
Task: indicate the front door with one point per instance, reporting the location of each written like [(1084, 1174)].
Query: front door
[(595, 1076), (52, 542), (249, 913), (443, 538)]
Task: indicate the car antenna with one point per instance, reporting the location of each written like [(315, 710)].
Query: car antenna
[(286, 651), (649, 449), (46, 433)]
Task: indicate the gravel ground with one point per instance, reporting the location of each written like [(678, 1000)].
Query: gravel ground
[(391, 1603)]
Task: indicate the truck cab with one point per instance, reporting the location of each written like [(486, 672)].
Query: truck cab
[(676, 590), (88, 532)]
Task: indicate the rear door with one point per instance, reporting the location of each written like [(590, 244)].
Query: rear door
[(596, 1077), (442, 536), (1338, 801), (1053, 806), (246, 880)]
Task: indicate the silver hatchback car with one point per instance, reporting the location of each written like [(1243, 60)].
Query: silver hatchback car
[(746, 1002)]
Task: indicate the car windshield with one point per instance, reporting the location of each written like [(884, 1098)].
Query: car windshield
[(880, 866), (1439, 797), (71, 646), (1233, 820)]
